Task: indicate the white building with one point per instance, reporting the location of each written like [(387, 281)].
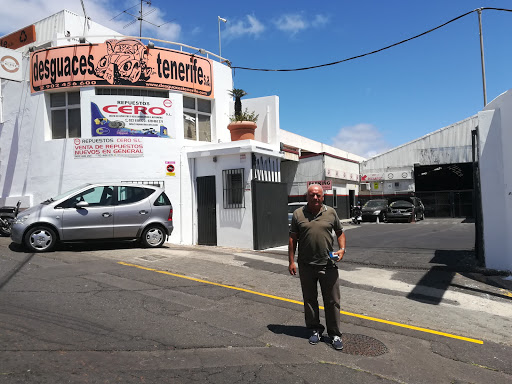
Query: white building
[(308, 161), (103, 107)]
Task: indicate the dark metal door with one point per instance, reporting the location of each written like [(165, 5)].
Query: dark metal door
[(206, 211), (270, 214)]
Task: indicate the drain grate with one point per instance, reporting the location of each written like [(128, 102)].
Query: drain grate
[(362, 345)]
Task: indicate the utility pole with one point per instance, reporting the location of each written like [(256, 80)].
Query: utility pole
[(479, 10)]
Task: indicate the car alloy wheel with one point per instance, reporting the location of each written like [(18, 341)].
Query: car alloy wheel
[(40, 239), (153, 236)]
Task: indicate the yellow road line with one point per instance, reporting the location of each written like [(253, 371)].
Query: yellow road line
[(426, 330)]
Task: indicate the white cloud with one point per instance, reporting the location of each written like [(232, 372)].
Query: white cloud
[(361, 139), (292, 24), (252, 26), (295, 23), (19, 14), (320, 21)]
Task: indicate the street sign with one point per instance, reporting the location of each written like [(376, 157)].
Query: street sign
[(10, 64)]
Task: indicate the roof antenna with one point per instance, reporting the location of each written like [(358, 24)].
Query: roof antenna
[(140, 16), (86, 22)]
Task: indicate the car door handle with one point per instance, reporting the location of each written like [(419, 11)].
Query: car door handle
[(106, 214), (143, 212)]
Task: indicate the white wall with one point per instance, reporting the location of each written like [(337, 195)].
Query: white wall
[(309, 145), (495, 141), (234, 225), (33, 167)]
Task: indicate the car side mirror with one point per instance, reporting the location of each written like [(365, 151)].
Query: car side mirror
[(81, 205)]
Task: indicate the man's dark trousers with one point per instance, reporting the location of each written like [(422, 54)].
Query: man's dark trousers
[(330, 287)]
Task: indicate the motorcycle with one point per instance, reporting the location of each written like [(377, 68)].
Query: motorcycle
[(357, 215), (7, 216)]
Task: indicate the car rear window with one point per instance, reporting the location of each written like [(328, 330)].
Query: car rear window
[(128, 195), (162, 200)]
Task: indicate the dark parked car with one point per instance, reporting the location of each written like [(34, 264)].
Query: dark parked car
[(375, 210), (405, 209)]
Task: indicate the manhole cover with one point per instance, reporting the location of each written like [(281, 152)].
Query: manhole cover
[(362, 345), (152, 257)]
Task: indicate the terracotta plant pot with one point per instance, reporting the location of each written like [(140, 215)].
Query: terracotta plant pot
[(242, 130)]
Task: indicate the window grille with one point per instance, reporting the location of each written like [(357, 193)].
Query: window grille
[(233, 184)]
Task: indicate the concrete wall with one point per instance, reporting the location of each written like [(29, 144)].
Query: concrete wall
[(495, 159), (234, 225)]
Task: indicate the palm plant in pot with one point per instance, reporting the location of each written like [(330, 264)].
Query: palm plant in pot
[(243, 123)]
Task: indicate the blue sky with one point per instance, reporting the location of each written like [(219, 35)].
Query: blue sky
[(364, 106)]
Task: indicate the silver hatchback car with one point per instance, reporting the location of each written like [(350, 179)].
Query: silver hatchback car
[(97, 211)]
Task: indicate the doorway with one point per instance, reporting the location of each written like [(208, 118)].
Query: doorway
[(206, 211)]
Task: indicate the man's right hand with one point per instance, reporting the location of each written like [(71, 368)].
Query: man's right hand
[(292, 268)]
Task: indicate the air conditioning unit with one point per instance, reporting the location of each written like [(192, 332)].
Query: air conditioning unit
[(365, 186)]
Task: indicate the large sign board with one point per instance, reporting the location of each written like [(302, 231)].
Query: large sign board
[(10, 64), (19, 38), (132, 116), (125, 62)]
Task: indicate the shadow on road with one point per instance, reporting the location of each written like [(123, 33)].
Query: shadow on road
[(432, 286), (91, 245), (290, 330), (5, 279)]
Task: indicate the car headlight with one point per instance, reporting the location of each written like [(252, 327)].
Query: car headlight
[(20, 220), (376, 213)]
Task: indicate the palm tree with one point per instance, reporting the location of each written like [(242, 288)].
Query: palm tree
[(238, 94)]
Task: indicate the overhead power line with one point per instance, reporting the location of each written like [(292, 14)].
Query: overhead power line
[(372, 52)]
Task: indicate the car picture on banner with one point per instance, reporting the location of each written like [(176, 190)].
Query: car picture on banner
[(131, 116)]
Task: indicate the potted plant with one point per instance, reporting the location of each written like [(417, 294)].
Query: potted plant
[(243, 123)]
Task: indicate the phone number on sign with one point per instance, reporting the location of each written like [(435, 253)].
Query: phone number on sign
[(66, 84)]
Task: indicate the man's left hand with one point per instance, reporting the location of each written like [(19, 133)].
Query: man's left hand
[(340, 254)]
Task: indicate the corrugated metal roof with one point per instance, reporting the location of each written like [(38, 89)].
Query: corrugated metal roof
[(451, 144)]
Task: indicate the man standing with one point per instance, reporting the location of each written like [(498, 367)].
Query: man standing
[(311, 227)]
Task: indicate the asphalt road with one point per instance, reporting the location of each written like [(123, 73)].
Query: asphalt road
[(113, 312)]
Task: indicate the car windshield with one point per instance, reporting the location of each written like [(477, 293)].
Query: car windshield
[(292, 208), (401, 203), (65, 194), (374, 203)]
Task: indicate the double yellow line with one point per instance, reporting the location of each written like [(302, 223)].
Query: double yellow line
[(426, 330)]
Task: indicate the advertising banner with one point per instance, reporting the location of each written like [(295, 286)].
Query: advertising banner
[(131, 116), (326, 184), (19, 38), (125, 62), (372, 176), (108, 147), (10, 64)]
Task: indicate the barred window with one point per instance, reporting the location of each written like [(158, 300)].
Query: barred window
[(65, 115), (132, 92), (233, 184)]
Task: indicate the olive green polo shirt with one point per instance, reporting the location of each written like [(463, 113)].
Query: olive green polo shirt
[(314, 234)]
